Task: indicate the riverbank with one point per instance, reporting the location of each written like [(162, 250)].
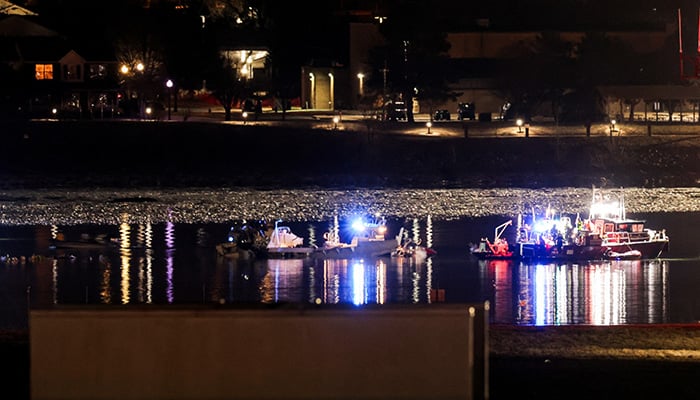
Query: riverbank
[(574, 362), (310, 154)]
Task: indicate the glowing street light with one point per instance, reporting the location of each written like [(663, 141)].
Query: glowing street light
[(331, 101), (428, 124), (245, 117), (312, 78), (336, 119), (519, 123), (361, 77), (169, 85)]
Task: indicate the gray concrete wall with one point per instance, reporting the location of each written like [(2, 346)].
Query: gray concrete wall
[(140, 353)]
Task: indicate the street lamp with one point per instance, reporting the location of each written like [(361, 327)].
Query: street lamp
[(169, 85), (245, 117), (331, 101), (428, 124), (312, 78), (361, 77), (519, 122), (336, 119)]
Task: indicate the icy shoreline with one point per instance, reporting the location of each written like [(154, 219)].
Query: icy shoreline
[(110, 206)]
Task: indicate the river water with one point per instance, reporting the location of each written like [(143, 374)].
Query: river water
[(166, 253)]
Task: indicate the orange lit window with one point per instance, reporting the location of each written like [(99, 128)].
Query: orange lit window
[(43, 71)]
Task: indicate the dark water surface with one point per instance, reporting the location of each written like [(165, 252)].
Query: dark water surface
[(166, 254)]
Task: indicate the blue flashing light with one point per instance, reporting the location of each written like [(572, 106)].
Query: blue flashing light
[(359, 225)]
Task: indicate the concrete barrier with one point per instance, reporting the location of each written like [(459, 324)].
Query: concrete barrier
[(431, 352)]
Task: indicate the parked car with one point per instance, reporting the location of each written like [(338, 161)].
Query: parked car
[(466, 111), (441, 115), (396, 111)]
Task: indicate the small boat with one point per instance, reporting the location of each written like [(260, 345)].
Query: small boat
[(411, 248), (369, 241), (85, 242), (285, 244), (261, 241), (627, 255), (607, 231), (498, 250)]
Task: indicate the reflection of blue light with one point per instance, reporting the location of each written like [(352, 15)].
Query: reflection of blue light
[(358, 225), (358, 283), (540, 294)]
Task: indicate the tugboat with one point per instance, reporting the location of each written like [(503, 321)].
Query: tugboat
[(607, 233)]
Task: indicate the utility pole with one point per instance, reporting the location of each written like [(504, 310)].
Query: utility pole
[(384, 72)]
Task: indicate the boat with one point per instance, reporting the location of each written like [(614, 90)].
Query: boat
[(283, 243), (245, 240), (368, 241), (606, 233), (627, 255), (499, 249), (85, 242), (409, 248), (251, 240)]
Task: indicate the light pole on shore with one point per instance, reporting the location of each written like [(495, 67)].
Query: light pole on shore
[(169, 85)]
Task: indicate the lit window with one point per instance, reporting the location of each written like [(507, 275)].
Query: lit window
[(43, 71)]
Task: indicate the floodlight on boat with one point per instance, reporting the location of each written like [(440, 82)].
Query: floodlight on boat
[(359, 225), (542, 226)]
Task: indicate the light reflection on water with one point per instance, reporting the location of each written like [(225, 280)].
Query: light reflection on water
[(593, 293), (171, 262)]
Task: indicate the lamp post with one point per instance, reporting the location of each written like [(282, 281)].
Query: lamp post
[(312, 78), (331, 100), (519, 123), (428, 124), (336, 119), (361, 77), (169, 85)]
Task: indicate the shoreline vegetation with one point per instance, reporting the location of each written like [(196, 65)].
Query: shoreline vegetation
[(300, 154)]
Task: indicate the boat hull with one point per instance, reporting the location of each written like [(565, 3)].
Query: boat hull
[(363, 249), (647, 249)]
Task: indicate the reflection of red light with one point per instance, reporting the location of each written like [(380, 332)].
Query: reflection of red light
[(119, 95)]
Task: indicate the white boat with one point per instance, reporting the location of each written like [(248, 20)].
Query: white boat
[(369, 241), (249, 241), (284, 243)]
